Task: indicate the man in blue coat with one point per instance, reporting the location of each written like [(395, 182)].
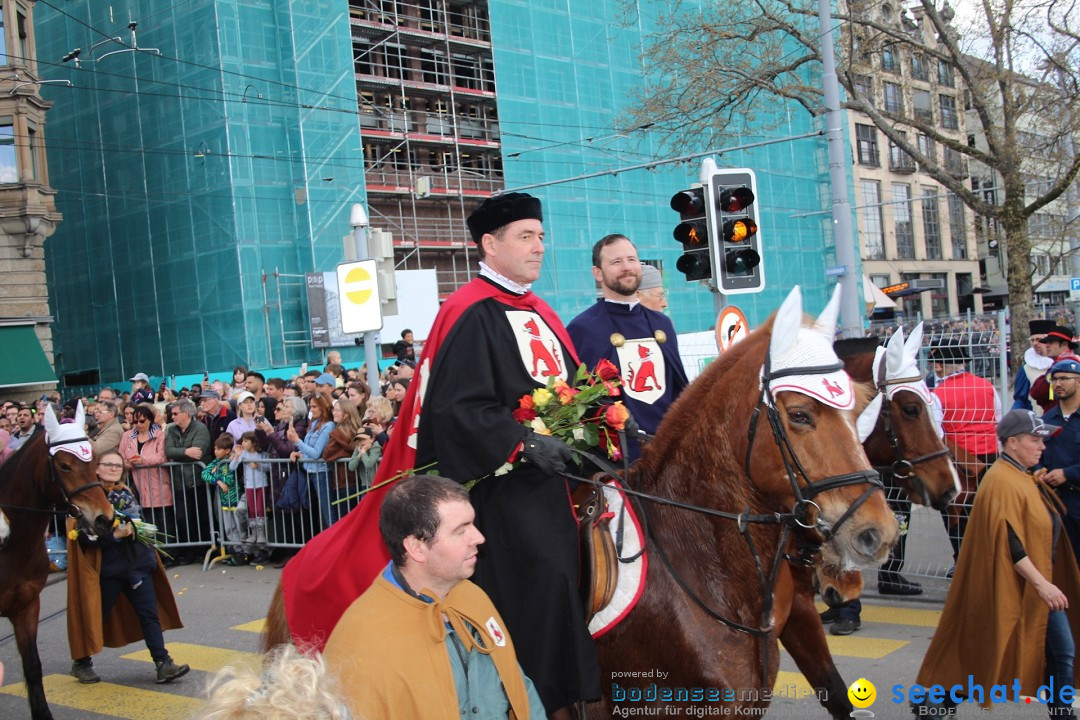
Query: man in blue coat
[(639, 341)]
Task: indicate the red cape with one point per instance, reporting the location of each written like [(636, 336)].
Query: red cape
[(336, 566)]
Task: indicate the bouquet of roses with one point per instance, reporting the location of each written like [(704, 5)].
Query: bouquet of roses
[(145, 533), (580, 413)]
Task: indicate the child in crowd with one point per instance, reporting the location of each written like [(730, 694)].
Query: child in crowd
[(233, 518), (256, 478), (365, 458)]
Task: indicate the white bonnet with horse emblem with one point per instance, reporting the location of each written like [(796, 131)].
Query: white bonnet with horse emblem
[(794, 346), (69, 437), (896, 366)]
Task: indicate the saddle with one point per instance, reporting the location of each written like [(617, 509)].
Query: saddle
[(599, 558)]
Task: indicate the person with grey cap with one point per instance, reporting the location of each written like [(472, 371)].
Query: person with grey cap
[(140, 390), (1013, 605), (1062, 455), (639, 341), (651, 291)]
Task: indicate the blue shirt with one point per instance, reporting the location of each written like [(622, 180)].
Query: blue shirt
[(1063, 450)]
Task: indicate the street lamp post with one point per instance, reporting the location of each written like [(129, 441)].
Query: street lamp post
[(358, 219)]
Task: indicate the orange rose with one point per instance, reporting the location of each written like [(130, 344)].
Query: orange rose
[(526, 402), (615, 415)]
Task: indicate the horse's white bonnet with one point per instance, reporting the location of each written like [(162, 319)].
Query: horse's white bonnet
[(69, 437), (794, 346)]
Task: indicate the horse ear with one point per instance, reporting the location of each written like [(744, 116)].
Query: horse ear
[(51, 423), (914, 342), (785, 331), (826, 322), (894, 354), (868, 418), (80, 415)]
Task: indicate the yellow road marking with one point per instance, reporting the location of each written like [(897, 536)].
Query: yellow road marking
[(862, 646), (255, 626), (119, 701), (201, 657), (792, 685), (897, 615)]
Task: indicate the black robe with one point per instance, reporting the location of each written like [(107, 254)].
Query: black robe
[(529, 562)]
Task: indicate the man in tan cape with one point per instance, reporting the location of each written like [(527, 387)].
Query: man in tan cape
[(1013, 610)]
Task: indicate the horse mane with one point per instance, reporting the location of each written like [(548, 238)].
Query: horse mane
[(10, 466)]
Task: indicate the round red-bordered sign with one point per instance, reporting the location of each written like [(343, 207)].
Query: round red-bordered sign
[(731, 327)]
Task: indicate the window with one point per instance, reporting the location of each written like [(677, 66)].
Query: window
[(920, 100), (957, 228), (927, 146), (866, 139), (9, 172), (954, 163), (918, 67), (3, 38), (894, 100), (931, 222), (948, 112), (939, 298), (864, 86), (1041, 264), (905, 232), (889, 60), (873, 237), (32, 142), (900, 161), (881, 281), (945, 74)]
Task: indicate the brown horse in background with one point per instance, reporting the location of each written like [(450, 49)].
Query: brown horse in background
[(717, 589), (905, 445), (34, 486)]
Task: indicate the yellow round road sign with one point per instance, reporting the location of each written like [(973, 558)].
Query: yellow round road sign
[(358, 285), (731, 327)]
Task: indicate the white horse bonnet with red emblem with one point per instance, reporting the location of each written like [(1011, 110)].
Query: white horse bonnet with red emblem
[(69, 437), (794, 346), (896, 365)]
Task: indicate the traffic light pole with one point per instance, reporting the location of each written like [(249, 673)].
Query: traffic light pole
[(358, 218), (851, 317)]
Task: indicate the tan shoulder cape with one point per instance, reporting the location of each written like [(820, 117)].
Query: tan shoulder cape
[(993, 626), (86, 633), (389, 655)]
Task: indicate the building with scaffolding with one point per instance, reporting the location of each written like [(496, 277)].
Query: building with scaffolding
[(201, 182)]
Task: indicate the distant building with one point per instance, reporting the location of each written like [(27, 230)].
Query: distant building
[(28, 213), (199, 185), (910, 227)]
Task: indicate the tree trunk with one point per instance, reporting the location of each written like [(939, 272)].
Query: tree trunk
[(1018, 247)]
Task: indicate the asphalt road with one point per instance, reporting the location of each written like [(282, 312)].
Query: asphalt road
[(222, 611)]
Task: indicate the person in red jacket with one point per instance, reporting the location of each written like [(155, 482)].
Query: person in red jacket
[(967, 408)]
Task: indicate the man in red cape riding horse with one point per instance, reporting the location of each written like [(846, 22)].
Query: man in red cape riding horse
[(492, 341)]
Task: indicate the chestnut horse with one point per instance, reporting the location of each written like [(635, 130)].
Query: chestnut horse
[(52, 473), (904, 445), (717, 588)]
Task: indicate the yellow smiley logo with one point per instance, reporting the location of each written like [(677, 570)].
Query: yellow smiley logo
[(862, 693)]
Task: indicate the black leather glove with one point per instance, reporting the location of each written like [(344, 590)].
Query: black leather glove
[(549, 454), (631, 428)]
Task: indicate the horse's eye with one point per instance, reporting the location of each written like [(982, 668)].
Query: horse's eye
[(912, 411), (800, 417)]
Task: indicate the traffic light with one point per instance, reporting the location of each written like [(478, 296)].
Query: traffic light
[(694, 233), (736, 252)]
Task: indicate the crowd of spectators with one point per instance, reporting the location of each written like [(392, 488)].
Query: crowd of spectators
[(315, 419)]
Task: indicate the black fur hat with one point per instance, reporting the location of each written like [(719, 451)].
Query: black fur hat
[(500, 210)]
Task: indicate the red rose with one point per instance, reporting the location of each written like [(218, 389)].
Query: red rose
[(606, 370), (524, 414)]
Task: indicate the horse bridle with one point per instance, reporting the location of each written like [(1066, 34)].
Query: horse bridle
[(902, 468), (72, 510), (805, 494)]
